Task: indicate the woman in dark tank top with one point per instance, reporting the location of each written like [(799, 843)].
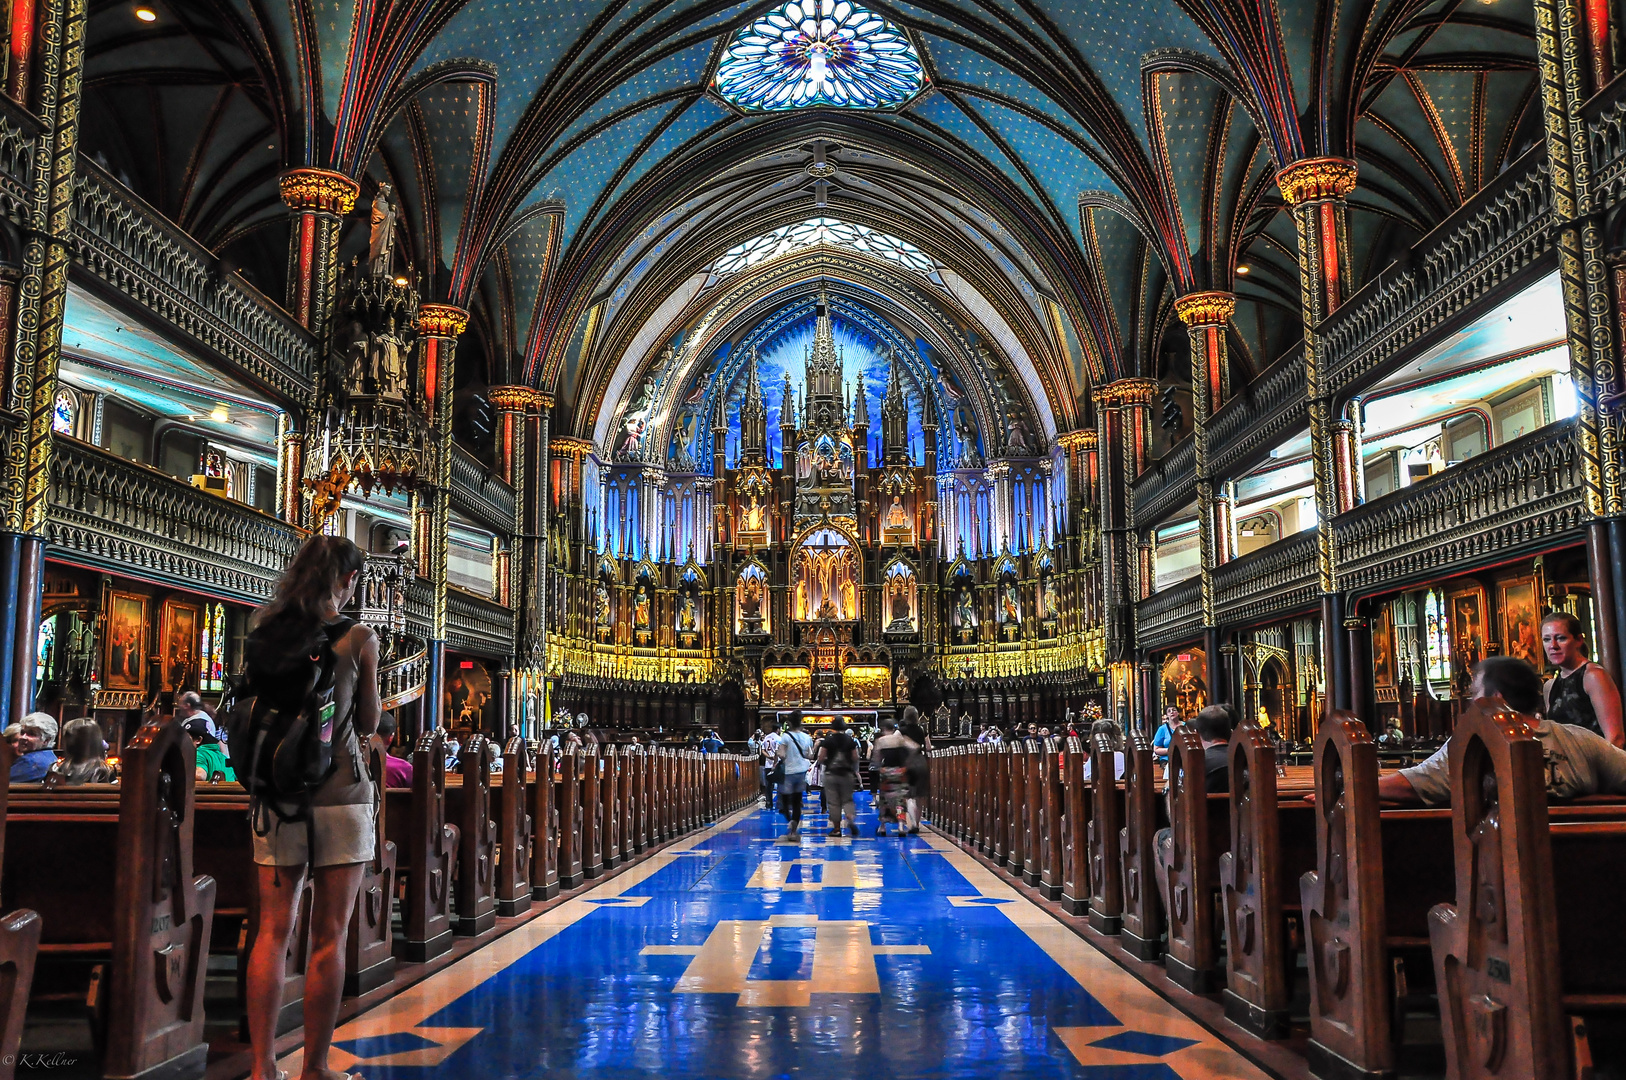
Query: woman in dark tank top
[(1580, 692)]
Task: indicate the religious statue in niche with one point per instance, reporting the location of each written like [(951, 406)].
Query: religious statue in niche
[(900, 599), (965, 613), (1052, 606), (751, 520), (687, 621), (749, 594), (897, 518), (381, 232), (640, 609), (601, 606), (825, 568), (900, 688), (1010, 607), (1020, 441)]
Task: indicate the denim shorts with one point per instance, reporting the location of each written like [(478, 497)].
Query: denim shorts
[(793, 783)]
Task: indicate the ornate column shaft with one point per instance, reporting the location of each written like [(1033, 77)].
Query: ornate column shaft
[(1123, 414), (319, 200), (1316, 189), (1592, 304), (518, 441), (1205, 315), (40, 287), (439, 326)]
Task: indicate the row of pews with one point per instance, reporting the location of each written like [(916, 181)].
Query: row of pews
[(1489, 927), (118, 894)]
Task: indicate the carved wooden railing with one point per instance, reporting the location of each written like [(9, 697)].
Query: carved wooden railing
[(402, 681), (1166, 486), (1606, 134), (124, 516), (140, 253), (479, 494), (1264, 414), (420, 607), (1519, 496), (1503, 230), (1271, 582), (475, 624), (1170, 615)]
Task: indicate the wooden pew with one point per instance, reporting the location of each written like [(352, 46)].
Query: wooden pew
[(19, 947), (477, 843), (609, 790), (1270, 844), (514, 831), (1032, 766), (129, 917), (1007, 810), (428, 861), (1104, 835), (1052, 822), (1141, 932), (370, 945), (572, 819), (1187, 855), (592, 813), (1529, 953), (545, 830), (1075, 886), (637, 762)]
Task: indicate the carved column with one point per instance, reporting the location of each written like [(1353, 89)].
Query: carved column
[(319, 200), (519, 411), (1572, 68), (40, 287), (439, 326), (1123, 419), (1205, 315), (1316, 189)]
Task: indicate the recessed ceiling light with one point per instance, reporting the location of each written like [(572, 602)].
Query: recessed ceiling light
[(220, 414), (1243, 269), (146, 14), (401, 281)]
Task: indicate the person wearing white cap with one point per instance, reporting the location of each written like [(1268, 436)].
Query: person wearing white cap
[(32, 738)]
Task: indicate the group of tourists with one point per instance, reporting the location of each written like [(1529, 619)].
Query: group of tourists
[(829, 763)]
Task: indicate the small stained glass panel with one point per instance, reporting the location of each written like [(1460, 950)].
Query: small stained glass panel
[(823, 230), (828, 53)]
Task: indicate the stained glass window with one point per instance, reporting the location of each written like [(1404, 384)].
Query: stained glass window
[(62, 413), (824, 231), (214, 647), (1439, 638), (44, 647), (820, 52)]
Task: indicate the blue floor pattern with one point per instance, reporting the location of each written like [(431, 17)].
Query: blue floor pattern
[(738, 955)]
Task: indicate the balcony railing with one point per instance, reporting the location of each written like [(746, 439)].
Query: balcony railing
[(1170, 615), (143, 255), (1521, 496), (479, 494), (1166, 486), (475, 624), (1262, 415), (1271, 582), (134, 519)]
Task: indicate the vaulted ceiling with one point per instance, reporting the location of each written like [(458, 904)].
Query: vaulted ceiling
[(566, 166)]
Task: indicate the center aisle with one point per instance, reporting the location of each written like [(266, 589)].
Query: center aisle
[(736, 954)]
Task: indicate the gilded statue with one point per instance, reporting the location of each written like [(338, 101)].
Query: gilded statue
[(640, 609)]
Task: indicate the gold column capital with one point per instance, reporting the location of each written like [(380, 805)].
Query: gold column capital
[(518, 399), (1310, 179), (569, 444), (1210, 308), (1083, 439), (318, 189), (1134, 391), (442, 320)]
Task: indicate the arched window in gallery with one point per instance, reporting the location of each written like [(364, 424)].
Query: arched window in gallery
[(820, 53)]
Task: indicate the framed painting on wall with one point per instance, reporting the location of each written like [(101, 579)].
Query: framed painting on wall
[(178, 636), (1520, 414), (1383, 647), (1466, 609), (1521, 620), (125, 667)]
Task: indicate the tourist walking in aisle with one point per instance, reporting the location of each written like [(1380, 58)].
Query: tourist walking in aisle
[(795, 752), (889, 760), (770, 761), (838, 757)]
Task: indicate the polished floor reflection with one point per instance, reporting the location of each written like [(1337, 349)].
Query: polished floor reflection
[(736, 954)]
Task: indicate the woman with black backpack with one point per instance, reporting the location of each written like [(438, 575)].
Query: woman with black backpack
[(311, 698)]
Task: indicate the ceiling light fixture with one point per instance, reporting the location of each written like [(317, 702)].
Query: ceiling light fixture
[(146, 14), (1244, 269)]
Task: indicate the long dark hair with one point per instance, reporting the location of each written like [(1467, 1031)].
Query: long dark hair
[(298, 611)]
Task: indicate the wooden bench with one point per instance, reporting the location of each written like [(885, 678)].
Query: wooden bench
[(511, 801), (469, 803), (129, 922), (1075, 885), (1531, 951), (1103, 837), (1187, 856), (572, 820), (19, 947), (426, 851), (1052, 820), (1141, 926), (545, 834)]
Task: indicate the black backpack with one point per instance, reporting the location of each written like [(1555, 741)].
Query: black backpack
[(279, 725)]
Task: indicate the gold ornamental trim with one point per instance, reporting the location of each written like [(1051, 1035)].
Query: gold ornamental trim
[(569, 444), (1126, 392), (1211, 308), (1083, 439), (442, 320), (318, 189), (517, 399), (1317, 178)]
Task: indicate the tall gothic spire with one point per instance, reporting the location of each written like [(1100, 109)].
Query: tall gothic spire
[(753, 417), (895, 416)]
